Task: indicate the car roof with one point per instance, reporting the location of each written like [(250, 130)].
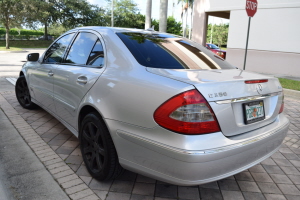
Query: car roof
[(120, 29)]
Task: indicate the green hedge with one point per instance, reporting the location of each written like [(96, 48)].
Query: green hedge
[(27, 43), (24, 32)]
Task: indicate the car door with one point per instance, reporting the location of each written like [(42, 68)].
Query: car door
[(78, 72), (41, 75)]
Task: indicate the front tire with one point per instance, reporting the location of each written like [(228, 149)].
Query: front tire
[(23, 94), (97, 148)]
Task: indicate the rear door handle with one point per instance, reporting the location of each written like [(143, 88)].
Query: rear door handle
[(50, 73), (82, 80)]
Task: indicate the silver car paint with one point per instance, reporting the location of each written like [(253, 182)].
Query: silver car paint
[(126, 91), (212, 83), (41, 84), (71, 83), (127, 94), (192, 160)]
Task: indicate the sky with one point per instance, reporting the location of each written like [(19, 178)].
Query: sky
[(173, 9)]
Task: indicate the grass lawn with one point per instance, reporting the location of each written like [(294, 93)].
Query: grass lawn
[(10, 49), (290, 84), (26, 44)]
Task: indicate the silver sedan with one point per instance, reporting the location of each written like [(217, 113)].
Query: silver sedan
[(156, 104)]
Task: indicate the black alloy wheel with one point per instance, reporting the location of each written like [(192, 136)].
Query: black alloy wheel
[(23, 94), (97, 149)]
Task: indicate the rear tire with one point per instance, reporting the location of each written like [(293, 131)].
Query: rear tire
[(97, 148), (23, 94)]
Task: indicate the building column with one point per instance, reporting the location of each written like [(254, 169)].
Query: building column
[(200, 20)]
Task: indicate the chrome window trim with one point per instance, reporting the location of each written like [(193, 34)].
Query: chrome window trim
[(242, 99)]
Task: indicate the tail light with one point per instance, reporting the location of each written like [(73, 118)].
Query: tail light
[(187, 113), (282, 104), (256, 81), (281, 108)]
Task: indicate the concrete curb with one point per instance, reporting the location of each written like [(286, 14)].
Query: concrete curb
[(22, 175), (292, 93), (70, 182)]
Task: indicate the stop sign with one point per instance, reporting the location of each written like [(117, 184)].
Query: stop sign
[(251, 7)]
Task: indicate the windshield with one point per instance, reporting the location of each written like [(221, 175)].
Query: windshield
[(170, 52), (212, 46)]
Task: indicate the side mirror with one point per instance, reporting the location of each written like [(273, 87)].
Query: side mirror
[(33, 57)]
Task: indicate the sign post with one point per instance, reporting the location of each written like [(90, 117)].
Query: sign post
[(251, 8)]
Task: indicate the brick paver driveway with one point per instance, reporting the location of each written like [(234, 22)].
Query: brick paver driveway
[(277, 177)]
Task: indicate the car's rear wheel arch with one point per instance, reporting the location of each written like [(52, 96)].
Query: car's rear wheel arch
[(111, 168), (85, 110)]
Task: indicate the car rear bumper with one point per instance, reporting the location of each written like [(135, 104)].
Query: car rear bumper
[(192, 167)]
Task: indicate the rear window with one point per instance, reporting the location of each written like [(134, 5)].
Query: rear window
[(170, 52)]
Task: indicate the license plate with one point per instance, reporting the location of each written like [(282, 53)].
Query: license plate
[(253, 112)]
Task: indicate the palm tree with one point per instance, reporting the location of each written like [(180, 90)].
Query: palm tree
[(163, 15), (112, 13), (191, 5), (186, 5), (148, 14)]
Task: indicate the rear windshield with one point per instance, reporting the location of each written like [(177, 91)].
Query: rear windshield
[(170, 52)]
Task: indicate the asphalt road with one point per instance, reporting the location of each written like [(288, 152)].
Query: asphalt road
[(11, 63)]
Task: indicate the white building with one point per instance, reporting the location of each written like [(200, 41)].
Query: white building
[(274, 39)]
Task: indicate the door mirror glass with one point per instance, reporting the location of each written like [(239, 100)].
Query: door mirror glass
[(33, 57)]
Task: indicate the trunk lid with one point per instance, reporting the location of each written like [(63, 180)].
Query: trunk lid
[(228, 94)]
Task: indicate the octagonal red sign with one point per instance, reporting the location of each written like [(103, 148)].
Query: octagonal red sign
[(251, 7)]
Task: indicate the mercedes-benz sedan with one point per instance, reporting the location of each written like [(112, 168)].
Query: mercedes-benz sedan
[(156, 104)]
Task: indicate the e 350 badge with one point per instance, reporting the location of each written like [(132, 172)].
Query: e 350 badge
[(219, 94)]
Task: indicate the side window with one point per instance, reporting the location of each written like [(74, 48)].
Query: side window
[(81, 48), (56, 52), (96, 57)]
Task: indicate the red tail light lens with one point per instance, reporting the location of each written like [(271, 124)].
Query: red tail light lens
[(256, 81), (281, 108), (187, 113), (282, 104)]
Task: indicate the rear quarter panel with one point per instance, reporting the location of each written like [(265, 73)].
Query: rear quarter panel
[(125, 91)]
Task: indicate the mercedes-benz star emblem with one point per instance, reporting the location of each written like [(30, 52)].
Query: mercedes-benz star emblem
[(259, 88)]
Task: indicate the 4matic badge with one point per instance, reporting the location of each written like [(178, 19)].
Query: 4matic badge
[(219, 94)]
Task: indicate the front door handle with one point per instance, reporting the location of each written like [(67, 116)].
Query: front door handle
[(50, 73), (82, 80)]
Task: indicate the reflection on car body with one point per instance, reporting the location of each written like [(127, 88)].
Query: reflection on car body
[(216, 50)]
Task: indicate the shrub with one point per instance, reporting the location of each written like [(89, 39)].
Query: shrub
[(23, 32)]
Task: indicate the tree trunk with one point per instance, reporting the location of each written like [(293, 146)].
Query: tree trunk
[(148, 14), (7, 37), (191, 29), (185, 9), (46, 31), (211, 33), (163, 15), (186, 26), (112, 13), (182, 22)]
